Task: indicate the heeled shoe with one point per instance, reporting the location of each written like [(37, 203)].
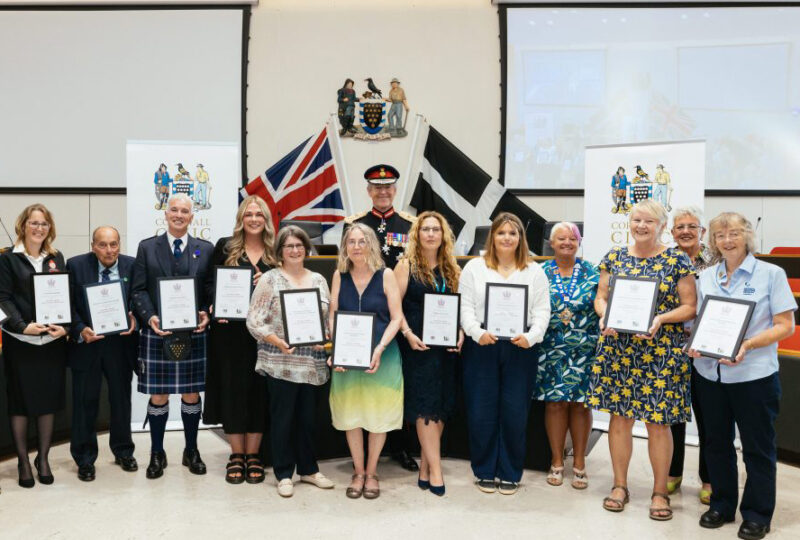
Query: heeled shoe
[(25, 482), (437, 490), (423, 484), (45, 479)]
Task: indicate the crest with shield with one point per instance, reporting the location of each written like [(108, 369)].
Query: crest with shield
[(372, 115)]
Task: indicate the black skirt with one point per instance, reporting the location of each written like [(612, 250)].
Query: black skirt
[(35, 376)]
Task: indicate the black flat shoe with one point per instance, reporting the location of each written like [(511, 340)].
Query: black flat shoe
[(45, 479), (127, 463), (713, 520), (86, 473), (750, 530), (158, 462), (25, 482), (191, 459), (405, 460)]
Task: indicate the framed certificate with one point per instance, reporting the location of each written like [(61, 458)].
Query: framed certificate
[(441, 313), (177, 303), (719, 329), (51, 302), (506, 310), (631, 304), (107, 307), (353, 341), (233, 287), (301, 310)]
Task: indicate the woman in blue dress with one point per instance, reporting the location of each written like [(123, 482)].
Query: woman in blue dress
[(566, 354)]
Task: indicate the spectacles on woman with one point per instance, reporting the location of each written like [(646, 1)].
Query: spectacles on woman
[(38, 225)]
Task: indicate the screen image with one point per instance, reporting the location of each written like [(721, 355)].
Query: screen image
[(578, 77)]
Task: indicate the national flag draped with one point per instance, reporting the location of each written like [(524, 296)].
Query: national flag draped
[(302, 185), (452, 184)]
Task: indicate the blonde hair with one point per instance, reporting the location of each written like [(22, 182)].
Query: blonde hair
[(445, 256), (651, 208), (731, 220), (22, 219), (521, 257), (235, 248), (374, 258)]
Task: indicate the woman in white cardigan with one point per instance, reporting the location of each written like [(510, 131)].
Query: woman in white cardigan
[(499, 374)]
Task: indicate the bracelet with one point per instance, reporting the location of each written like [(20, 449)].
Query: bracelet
[(381, 345), (406, 331)]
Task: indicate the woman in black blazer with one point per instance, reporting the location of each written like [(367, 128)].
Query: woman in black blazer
[(34, 354)]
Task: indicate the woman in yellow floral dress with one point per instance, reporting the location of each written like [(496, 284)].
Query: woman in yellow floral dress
[(645, 376)]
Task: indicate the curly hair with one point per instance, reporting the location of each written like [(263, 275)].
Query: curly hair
[(373, 250), (22, 220), (445, 257), (235, 248)]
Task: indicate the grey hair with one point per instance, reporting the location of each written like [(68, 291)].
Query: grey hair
[(653, 209), (731, 220), (569, 226), (693, 212), (181, 197)]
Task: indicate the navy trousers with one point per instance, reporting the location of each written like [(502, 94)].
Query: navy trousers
[(292, 413), (753, 407), (498, 384)]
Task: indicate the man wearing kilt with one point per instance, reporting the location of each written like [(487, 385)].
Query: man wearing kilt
[(174, 253)]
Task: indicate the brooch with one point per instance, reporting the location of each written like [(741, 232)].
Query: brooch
[(196, 254)]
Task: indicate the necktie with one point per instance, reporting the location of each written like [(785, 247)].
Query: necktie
[(177, 250), (105, 275)]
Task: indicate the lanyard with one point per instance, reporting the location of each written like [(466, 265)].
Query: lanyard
[(436, 284), (573, 281)]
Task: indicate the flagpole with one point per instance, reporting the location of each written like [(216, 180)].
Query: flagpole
[(404, 199), (333, 133)]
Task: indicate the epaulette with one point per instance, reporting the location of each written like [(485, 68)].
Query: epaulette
[(349, 220), (406, 216)]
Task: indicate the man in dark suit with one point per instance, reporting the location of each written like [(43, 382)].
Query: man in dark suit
[(173, 254), (91, 356)]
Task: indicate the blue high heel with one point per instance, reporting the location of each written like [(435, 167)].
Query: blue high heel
[(437, 490), (423, 484)]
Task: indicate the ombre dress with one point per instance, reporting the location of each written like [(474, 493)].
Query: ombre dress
[(371, 401)]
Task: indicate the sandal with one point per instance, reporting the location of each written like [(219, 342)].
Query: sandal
[(617, 505), (705, 496), (352, 492), (673, 485), (556, 476), (255, 469), (580, 480), (372, 493), (234, 470), (660, 514)]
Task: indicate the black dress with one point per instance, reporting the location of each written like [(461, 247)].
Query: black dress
[(430, 376), (236, 396)]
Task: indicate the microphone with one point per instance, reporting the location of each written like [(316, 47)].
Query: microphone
[(3, 250), (755, 233)]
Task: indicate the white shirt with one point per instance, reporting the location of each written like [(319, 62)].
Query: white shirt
[(37, 263), (472, 286), (184, 241)]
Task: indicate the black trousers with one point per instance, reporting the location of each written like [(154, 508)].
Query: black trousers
[(679, 439), (86, 386), (753, 407), (293, 414)]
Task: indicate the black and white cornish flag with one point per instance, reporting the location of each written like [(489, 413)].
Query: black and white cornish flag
[(452, 184)]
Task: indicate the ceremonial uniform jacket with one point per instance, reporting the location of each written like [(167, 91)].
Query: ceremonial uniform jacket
[(391, 227)]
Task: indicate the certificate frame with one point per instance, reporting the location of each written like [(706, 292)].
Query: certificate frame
[(243, 269), (512, 287), (37, 276), (286, 292), (653, 302), (3, 315), (372, 318), (751, 306), (111, 283), (179, 328), (457, 322)]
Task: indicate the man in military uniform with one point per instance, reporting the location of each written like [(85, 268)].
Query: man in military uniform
[(391, 226)]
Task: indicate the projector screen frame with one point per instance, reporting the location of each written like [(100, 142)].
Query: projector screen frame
[(245, 6), (502, 12)]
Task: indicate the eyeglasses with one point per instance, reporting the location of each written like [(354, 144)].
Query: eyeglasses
[(360, 242), (691, 228), (732, 235), (434, 230), (38, 225), (291, 247)]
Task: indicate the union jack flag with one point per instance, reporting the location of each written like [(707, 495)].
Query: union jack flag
[(302, 185)]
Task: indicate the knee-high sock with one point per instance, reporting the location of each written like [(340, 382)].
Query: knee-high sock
[(157, 416), (190, 413)]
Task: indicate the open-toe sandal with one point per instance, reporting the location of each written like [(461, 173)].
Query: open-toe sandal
[(660, 514), (355, 492), (234, 470), (555, 477), (255, 469), (579, 478), (612, 504), (372, 493)]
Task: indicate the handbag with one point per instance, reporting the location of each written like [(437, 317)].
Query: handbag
[(177, 346)]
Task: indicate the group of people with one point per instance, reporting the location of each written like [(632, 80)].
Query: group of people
[(388, 261)]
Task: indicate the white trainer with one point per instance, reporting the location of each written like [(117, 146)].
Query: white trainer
[(286, 487), (318, 479)]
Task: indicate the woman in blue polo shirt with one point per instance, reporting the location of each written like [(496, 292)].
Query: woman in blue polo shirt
[(744, 390)]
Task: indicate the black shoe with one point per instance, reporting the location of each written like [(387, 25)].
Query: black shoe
[(750, 530), (86, 473), (45, 479), (405, 460), (713, 520), (191, 458), (158, 462), (128, 463), (25, 482)]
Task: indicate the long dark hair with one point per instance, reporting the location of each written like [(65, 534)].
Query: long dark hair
[(344, 86)]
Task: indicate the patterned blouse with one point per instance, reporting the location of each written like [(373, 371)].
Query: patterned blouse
[(305, 364)]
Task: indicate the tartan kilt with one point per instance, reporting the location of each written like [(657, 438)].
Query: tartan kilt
[(158, 375)]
